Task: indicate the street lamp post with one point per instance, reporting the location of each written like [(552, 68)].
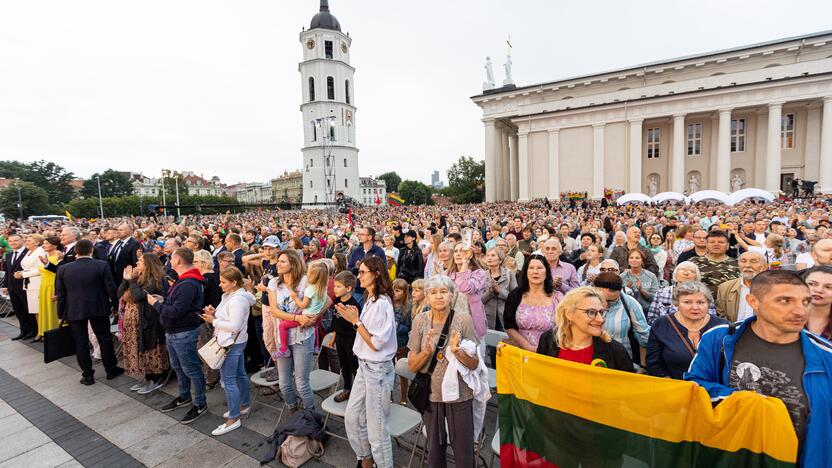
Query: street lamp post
[(100, 203), (20, 202), (176, 181), (164, 203)]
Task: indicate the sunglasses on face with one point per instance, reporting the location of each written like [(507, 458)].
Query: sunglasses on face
[(607, 269)]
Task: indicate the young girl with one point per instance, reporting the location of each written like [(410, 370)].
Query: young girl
[(314, 299), (418, 294), (402, 309)]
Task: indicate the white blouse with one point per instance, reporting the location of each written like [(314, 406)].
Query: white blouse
[(379, 319)]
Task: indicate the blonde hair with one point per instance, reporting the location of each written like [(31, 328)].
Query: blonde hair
[(418, 307), (318, 276), (568, 304), (204, 257), (776, 242), (37, 238)]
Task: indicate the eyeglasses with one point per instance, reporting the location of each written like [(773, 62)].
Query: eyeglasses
[(362, 272), (592, 313), (608, 269)]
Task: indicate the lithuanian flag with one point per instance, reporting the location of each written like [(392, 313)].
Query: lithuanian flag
[(556, 413), (394, 199)]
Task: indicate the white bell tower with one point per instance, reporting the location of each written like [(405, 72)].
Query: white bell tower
[(330, 157)]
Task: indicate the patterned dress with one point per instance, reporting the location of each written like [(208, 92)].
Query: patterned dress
[(154, 361), (533, 321)]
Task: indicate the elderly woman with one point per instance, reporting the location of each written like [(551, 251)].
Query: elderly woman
[(674, 337), (440, 261), (230, 322), (502, 282), (663, 300), (375, 346), (579, 334), (450, 409), (530, 308), (640, 283), (471, 282)]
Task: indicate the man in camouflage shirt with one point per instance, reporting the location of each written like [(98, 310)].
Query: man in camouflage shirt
[(716, 266)]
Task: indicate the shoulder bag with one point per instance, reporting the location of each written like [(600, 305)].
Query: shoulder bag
[(419, 391), (213, 354)]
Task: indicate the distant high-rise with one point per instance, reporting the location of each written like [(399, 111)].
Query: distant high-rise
[(435, 182)]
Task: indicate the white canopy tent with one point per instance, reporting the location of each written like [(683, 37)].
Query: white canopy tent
[(745, 194), (709, 195), (633, 198), (668, 196)]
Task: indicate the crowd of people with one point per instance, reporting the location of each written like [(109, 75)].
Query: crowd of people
[(732, 298)]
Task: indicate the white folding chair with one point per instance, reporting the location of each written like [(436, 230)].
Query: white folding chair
[(495, 445), (260, 383), (403, 420)]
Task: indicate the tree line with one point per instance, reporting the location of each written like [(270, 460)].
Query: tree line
[(466, 184)]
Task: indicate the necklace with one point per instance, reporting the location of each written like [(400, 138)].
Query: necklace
[(703, 322)]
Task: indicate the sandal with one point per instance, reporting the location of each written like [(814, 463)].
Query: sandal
[(343, 396), (403, 403)]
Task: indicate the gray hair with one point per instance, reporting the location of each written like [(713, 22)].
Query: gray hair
[(609, 260), (76, 233), (440, 281), (330, 265), (691, 287), (688, 265)]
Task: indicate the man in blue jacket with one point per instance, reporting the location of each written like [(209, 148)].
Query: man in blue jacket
[(179, 314), (770, 353)]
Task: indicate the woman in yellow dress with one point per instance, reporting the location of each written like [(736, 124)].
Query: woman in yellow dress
[(48, 305)]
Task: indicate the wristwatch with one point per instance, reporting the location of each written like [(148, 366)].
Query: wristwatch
[(357, 324)]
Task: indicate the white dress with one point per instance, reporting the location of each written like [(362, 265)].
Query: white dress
[(30, 265)]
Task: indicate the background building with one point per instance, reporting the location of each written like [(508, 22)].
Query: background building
[(199, 186), (254, 192), (288, 188), (372, 190), (144, 186), (330, 157), (435, 182), (752, 116)]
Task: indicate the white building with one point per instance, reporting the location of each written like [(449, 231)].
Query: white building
[(330, 157), (751, 116), (255, 192), (201, 187), (144, 186), (372, 190)]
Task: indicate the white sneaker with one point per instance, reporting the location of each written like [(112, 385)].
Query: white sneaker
[(243, 412), (223, 429), (151, 386), (139, 385)]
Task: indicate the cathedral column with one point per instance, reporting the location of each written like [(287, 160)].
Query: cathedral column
[(677, 162), (523, 165), (505, 177), (773, 146), (513, 167), (554, 164), (498, 161), (723, 155), (635, 156), (490, 162), (825, 178), (812, 152), (598, 151)]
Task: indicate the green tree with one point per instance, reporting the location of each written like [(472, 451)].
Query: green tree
[(391, 179), (113, 184), (466, 181), (52, 178), (415, 193), (171, 179), (35, 200), (13, 169)]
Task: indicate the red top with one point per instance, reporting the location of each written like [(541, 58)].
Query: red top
[(581, 356)]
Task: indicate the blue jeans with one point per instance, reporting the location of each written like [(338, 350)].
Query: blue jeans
[(235, 380), (367, 412), (294, 374), (184, 360)]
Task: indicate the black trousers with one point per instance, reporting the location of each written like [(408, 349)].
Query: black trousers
[(101, 328), (346, 359), (28, 322), (460, 423)]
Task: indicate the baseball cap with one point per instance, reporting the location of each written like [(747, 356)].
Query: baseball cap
[(271, 241)]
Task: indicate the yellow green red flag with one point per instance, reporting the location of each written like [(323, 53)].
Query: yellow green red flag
[(556, 413)]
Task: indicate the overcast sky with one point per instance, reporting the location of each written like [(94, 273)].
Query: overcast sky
[(213, 86)]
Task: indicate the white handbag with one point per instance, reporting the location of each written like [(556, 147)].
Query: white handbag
[(213, 354)]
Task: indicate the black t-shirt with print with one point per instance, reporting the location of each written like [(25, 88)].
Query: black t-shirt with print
[(773, 370)]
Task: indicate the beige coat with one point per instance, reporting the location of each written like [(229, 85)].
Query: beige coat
[(728, 299)]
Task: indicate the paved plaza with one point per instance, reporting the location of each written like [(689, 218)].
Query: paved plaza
[(48, 419)]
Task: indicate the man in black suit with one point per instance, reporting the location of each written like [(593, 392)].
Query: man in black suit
[(124, 252), (14, 288), (69, 237), (86, 294), (233, 242)]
